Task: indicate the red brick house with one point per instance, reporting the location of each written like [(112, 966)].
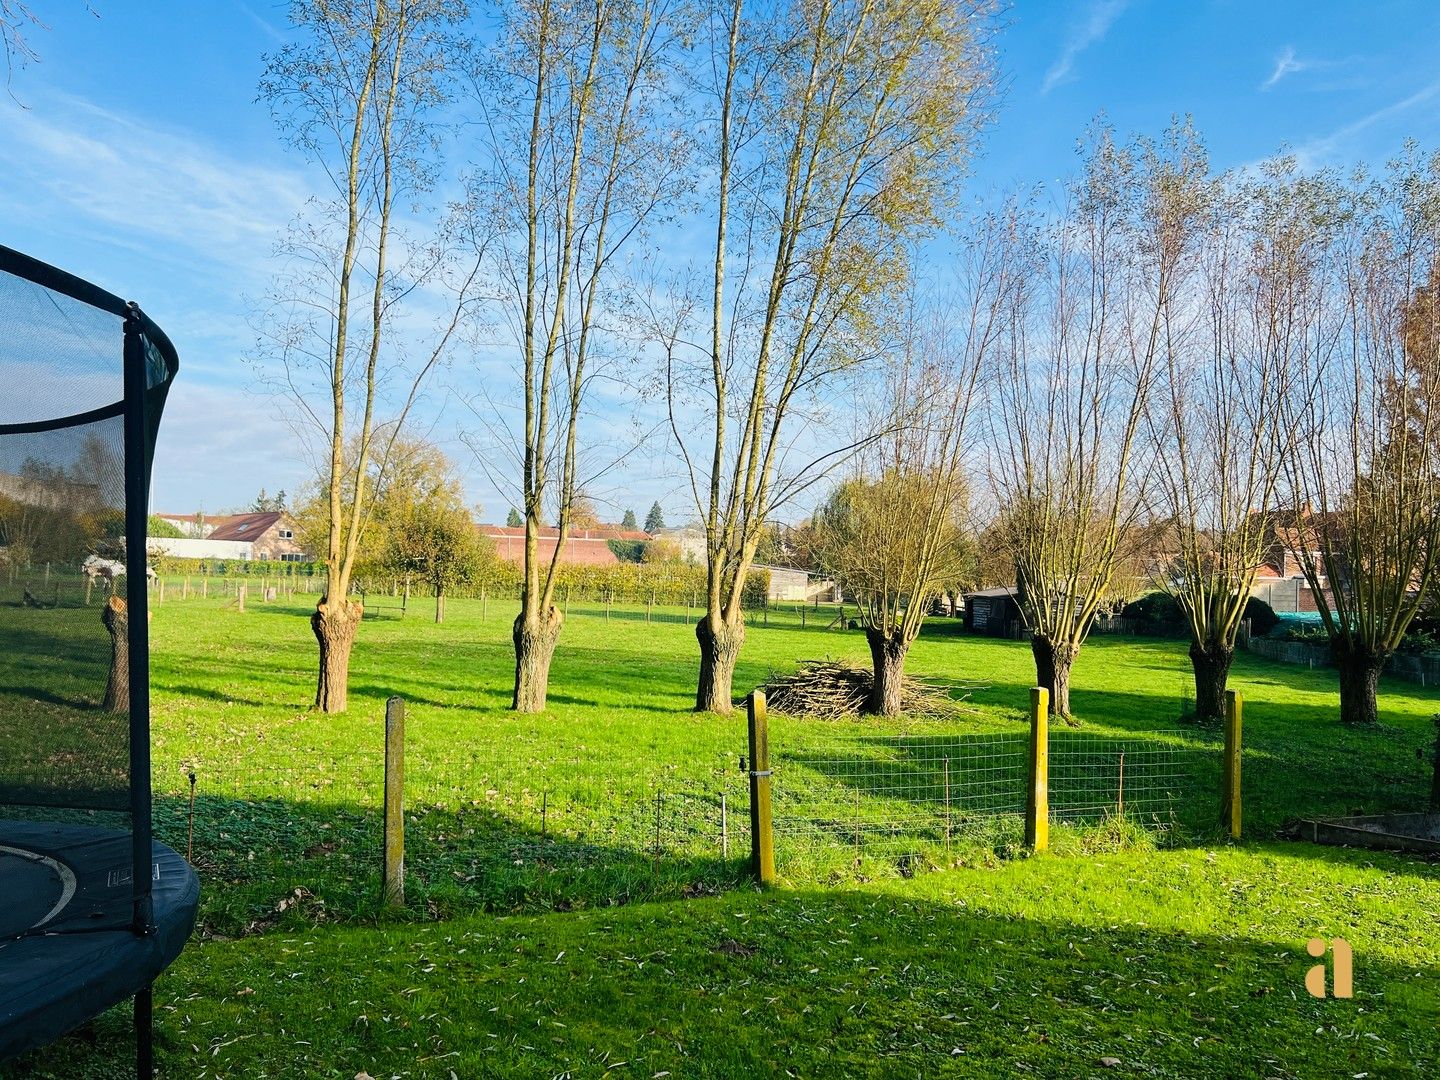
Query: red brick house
[(583, 547), (1280, 580)]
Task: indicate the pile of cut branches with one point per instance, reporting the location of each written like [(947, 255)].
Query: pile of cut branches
[(834, 690)]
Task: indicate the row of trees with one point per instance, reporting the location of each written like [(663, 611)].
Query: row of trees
[(809, 144), (584, 516), (1163, 353), (1167, 380)]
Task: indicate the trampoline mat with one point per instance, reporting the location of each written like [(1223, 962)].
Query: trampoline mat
[(67, 952)]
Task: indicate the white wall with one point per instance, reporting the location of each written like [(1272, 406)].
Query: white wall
[(185, 548)]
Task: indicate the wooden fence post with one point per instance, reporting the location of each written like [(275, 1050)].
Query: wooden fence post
[(1230, 811), (1037, 798), (394, 874), (762, 840)]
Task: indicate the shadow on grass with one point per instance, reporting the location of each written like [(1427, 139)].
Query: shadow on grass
[(813, 983), (290, 861)]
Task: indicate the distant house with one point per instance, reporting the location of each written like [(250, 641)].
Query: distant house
[(689, 540), (788, 585), (583, 547), (50, 492), (1280, 579), (993, 612), (260, 537)]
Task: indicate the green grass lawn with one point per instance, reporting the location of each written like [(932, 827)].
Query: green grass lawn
[(573, 908)]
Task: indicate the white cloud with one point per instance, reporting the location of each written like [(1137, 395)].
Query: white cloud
[(1285, 64), (175, 220), (1339, 144), (266, 27), (1089, 31), (155, 188), (1289, 64), (218, 446)]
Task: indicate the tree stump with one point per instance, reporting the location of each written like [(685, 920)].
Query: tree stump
[(117, 686)]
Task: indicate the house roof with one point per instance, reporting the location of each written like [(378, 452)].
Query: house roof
[(244, 526), (1003, 590)]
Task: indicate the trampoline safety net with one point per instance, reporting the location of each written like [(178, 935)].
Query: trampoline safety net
[(92, 909), (66, 684)]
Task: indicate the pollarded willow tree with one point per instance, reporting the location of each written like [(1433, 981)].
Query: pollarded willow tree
[(899, 533), (1240, 317), (1071, 386), (356, 95), (575, 110), (1366, 418), (834, 135)]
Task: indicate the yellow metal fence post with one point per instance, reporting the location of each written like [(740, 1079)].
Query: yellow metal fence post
[(1037, 799), (762, 840)]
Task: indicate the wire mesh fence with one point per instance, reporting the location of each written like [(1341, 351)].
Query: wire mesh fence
[(1154, 780), (540, 823), (864, 790), (928, 795), (507, 831), (272, 582)]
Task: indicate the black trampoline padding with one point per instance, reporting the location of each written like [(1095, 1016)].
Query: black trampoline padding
[(68, 950)]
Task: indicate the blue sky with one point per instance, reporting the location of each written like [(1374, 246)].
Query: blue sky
[(137, 156)]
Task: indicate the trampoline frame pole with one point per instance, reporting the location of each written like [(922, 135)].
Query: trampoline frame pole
[(137, 498), (145, 1034)]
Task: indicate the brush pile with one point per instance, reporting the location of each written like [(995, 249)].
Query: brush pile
[(833, 690)]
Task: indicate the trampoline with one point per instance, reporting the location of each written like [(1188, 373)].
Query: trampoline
[(90, 913)]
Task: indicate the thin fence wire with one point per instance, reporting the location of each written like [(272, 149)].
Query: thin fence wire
[(269, 583), (912, 795), (494, 832), (1094, 775), (543, 825)]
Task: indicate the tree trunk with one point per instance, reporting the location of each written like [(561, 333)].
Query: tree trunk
[(439, 605), (1053, 661), (117, 686), (535, 640), (1359, 680), (887, 658), (335, 626), (720, 643), (1211, 661)]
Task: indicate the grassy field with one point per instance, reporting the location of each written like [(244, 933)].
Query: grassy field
[(573, 909)]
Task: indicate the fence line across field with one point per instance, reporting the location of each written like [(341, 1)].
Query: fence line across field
[(584, 818), (544, 806)]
